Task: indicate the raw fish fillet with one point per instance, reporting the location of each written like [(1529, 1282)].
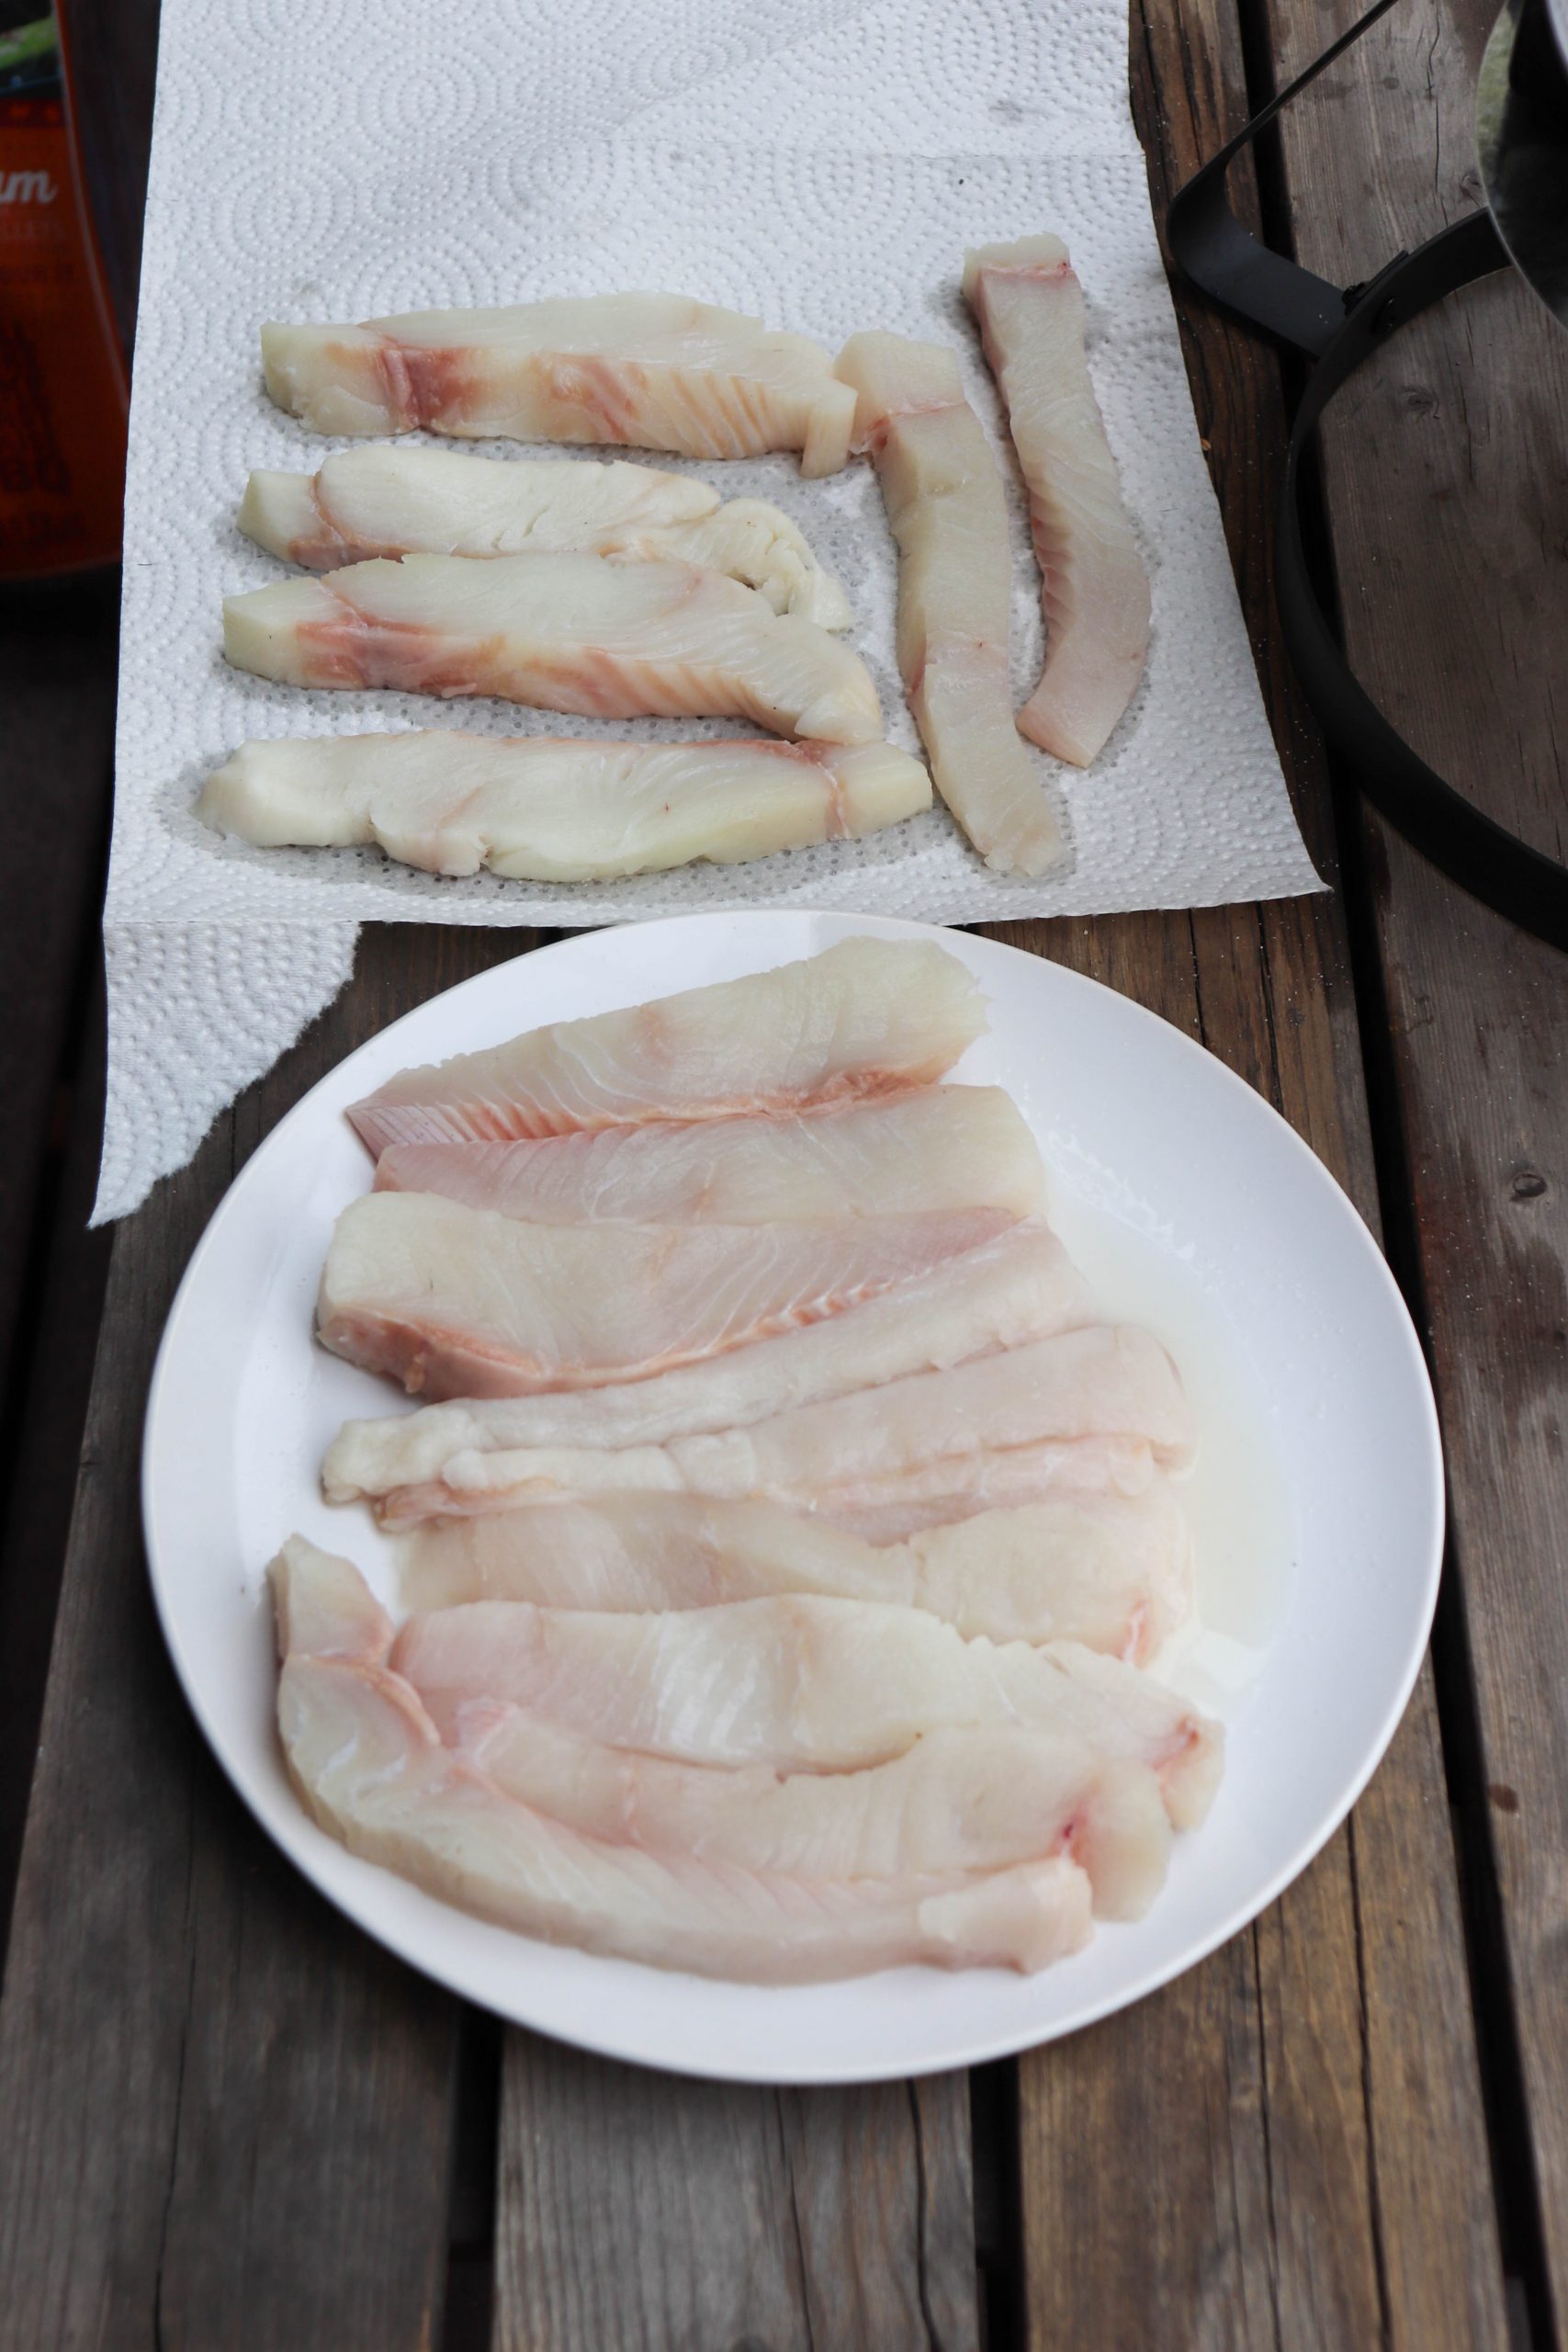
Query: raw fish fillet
[(935, 1147), (869, 1016), (1017, 1288), (800, 1684), (884, 1507), (373, 502), (370, 1766), (898, 1505), (567, 632), (955, 1801), (1108, 1571), (461, 1302), (649, 371), (541, 811), (946, 511), (1096, 1407), (1031, 311)]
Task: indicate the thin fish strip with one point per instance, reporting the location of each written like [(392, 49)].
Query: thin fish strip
[(371, 1768), (462, 1302), (564, 632), (868, 1016), (386, 502), (1019, 1287), (652, 371), (1101, 1405), (946, 511), (935, 1147), (1029, 307), (955, 1801), (1112, 1572), (537, 809), (801, 1684)]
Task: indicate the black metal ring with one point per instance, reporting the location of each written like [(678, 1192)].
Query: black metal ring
[(1340, 330)]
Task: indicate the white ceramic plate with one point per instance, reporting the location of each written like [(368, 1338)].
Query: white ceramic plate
[(1317, 1503)]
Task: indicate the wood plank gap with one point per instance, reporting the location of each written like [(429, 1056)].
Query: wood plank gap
[(471, 2231), (49, 1413), (999, 2205)]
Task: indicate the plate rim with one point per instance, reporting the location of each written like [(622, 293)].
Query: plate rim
[(972, 2051)]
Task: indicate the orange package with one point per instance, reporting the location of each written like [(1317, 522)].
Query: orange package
[(63, 383)]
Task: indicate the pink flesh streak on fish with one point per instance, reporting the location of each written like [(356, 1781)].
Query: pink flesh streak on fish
[(645, 370), (956, 1800), (369, 1764), (801, 1684), (933, 1147), (867, 1017), (946, 511), (461, 1302), (1016, 1289), (1107, 1570), (1099, 1407), (1031, 311), (540, 807), (561, 630)]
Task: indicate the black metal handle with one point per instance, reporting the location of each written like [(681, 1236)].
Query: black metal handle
[(1339, 330)]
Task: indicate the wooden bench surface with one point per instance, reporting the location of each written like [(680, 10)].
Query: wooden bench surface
[(228, 2119)]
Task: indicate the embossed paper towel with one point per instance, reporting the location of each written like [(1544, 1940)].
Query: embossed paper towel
[(822, 163)]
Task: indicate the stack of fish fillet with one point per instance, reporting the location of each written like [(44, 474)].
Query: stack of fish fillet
[(785, 1540)]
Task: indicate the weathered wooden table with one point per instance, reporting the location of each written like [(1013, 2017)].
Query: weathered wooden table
[(227, 2121)]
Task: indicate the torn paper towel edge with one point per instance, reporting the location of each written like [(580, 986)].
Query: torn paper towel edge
[(228, 1002)]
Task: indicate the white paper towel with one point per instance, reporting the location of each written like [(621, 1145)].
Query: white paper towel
[(819, 164)]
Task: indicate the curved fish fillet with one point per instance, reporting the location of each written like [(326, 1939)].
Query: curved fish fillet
[(945, 508), (1111, 1571), (1094, 1406), (566, 632), (652, 371), (869, 1016), (461, 1302), (537, 809), (1016, 1288), (372, 502), (955, 1801), (1031, 311), (800, 1684), (370, 1766), (934, 1147)]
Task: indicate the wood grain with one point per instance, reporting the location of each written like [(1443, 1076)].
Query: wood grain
[(228, 2118), (1448, 474), (650, 2212), (1305, 2106)]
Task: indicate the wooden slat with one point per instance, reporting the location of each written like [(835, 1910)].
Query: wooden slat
[(1449, 498), (1294, 2130), (648, 2212), (54, 1379), (57, 658), (228, 2118)]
